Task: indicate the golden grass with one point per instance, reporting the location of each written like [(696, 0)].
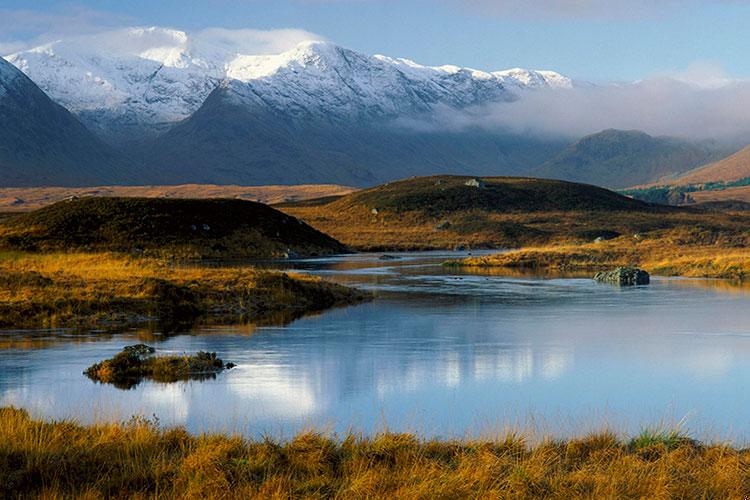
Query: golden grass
[(661, 257), (52, 290), (362, 230), (139, 459)]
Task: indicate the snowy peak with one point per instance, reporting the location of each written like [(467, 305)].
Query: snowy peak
[(323, 79), (151, 77)]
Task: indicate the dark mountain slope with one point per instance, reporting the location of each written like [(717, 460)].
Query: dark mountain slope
[(233, 141), (41, 143), (619, 159)]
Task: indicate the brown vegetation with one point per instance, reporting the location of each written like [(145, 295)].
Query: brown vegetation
[(188, 229), (739, 193), (731, 168), (665, 257), (443, 213), (87, 289), (139, 459)]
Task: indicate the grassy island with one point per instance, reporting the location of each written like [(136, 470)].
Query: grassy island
[(137, 362), (140, 459)]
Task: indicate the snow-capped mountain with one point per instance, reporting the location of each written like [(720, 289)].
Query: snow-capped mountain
[(42, 143), (125, 80)]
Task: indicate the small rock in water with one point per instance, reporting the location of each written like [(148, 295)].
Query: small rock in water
[(385, 256), (624, 276)]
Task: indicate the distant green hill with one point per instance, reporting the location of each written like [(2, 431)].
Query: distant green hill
[(619, 159), (212, 228)]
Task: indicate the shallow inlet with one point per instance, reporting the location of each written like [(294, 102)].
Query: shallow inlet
[(440, 352)]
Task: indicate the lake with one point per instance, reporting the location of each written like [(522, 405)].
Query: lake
[(439, 351)]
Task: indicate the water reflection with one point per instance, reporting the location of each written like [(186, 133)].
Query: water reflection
[(438, 351)]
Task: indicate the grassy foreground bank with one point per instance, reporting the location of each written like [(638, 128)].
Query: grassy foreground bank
[(138, 459), (663, 257), (108, 289)]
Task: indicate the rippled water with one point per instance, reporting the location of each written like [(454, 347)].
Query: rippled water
[(439, 351)]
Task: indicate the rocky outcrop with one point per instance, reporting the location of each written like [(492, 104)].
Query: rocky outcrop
[(624, 276)]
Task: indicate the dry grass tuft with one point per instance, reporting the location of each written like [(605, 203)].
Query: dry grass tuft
[(139, 459)]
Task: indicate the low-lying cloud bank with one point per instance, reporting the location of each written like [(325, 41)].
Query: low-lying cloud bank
[(659, 106)]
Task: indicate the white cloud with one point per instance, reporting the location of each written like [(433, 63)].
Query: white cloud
[(24, 29), (702, 102), (250, 41)]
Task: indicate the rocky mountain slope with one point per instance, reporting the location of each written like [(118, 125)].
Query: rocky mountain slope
[(41, 143)]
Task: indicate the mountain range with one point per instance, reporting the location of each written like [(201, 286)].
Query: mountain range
[(165, 107), (137, 81)]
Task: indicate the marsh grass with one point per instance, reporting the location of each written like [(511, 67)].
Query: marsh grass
[(664, 257), (138, 458), (86, 289)]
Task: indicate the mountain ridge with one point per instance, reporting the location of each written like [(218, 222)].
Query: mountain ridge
[(150, 78)]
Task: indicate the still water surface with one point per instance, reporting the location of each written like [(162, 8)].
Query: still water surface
[(440, 352)]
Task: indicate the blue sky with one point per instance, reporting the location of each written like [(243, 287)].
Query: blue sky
[(598, 40)]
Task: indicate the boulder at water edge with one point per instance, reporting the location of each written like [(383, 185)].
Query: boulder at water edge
[(624, 276)]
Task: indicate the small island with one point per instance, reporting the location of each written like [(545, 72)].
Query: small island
[(138, 362)]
